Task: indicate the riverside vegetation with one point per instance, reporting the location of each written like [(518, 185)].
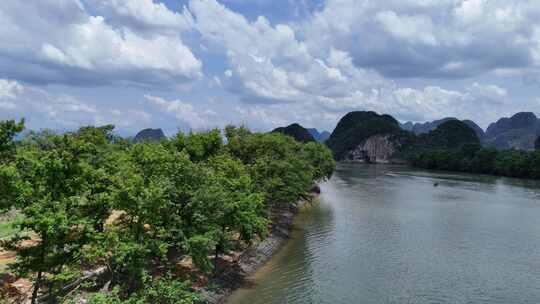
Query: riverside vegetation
[(89, 200), (475, 159), (452, 145)]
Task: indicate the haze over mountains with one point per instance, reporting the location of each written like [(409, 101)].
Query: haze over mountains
[(518, 131), (319, 136), (426, 127), (371, 137)]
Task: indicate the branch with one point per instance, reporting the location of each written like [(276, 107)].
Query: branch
[(87, 275)]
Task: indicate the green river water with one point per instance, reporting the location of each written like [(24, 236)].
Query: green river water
[(387, 234)]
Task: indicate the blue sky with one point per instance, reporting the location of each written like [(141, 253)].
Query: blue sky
[(199, 64)]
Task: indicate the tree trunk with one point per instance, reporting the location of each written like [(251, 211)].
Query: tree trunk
[(67, 288), (216, 254), (37, 284)]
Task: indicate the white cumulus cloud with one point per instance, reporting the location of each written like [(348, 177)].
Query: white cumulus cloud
[(184, 112), (59, 41)]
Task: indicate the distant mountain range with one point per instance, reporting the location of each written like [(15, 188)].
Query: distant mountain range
[(426, 127), (356, 130), (518, 131), (319, 136)]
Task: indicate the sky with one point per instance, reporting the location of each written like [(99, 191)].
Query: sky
[(200, 64)]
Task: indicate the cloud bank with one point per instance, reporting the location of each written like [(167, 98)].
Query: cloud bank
[(198, 64)]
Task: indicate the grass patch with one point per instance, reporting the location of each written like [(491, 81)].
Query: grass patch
[(6, 223)]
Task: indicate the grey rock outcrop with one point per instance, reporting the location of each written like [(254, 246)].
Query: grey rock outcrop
[(518, 131), (376, 149)]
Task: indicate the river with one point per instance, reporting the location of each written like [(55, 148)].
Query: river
[(389, 234)]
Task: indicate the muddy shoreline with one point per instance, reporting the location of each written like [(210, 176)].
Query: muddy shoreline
[(219, 289)]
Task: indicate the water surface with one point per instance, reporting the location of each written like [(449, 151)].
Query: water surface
[(386, 234)]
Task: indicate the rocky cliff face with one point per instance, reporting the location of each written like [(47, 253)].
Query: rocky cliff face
[(355, 128), (521, 120), (518, 131), (375, 149)]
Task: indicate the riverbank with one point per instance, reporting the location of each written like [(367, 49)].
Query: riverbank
[(231, 277), (234, 276), (384, 234)]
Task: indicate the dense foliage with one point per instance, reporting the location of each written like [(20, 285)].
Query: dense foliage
[(474, 159), (88, 199), (454, 147), (297, 132), (450, 135), (8, 130)]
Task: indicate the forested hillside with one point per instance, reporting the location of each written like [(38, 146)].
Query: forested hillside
[(149, 135), (92, 203), (475, 159), (297, 132), (356, 127), (455, 147), (450, 135)]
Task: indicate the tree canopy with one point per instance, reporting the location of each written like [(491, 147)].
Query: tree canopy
[(89, 198)]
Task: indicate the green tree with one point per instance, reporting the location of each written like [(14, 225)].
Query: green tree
[(225, 205), (152, 186), (89, 198), (321, 160), (57, 191), (8, 130), (283, 169), (164, 290), (199, 146)]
